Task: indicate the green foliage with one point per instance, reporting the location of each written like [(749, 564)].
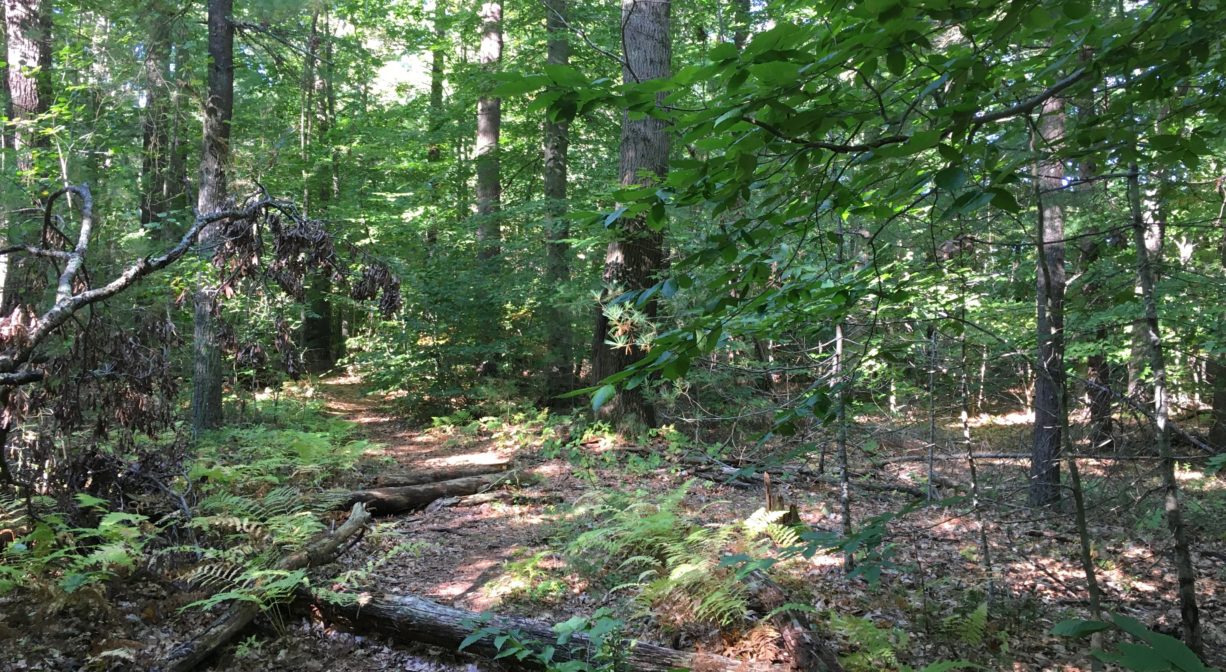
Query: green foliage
[(69, 564), (1150, 652), (970, 628), (262, 499), (875, 647), (654, 548), (605, 651)]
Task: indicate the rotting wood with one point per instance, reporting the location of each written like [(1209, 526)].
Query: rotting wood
[(424, 476), (409, 618), (383, 501), (188, 655), (799, 637)]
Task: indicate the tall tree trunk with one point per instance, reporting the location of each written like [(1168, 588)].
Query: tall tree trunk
[(434, 150), (28, 40), (1154, 238), (1216, 368), (314, 122), (489, 126), (1098, 369), (158, 191), (6, 144), (1049, 384), (1184, 567), (634, 257), (214, 162), (561, 369)]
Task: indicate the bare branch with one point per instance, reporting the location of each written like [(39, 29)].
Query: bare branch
[(1029, 104), (67, 303)]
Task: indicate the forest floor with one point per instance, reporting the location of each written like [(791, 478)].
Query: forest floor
[(508, 556)]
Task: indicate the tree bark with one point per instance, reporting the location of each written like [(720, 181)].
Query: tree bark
[(1184, 567), (1153, 239), (384, 501), (434, 150), (214, 162), (1049, 325), (413, 619), (28, 45), (489, 127), (636, 255), (560, 372)]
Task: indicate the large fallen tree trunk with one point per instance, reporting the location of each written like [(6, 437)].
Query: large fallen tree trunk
[(413, 619), (188, 655), (408, 497), (403, 478)]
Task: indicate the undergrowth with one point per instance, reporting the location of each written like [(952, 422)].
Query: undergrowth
[(248, 496)]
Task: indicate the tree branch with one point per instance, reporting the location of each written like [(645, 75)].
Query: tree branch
[(67, 303)]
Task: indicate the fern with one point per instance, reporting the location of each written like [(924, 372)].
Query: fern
[(769, 524), (657, 549), (970, 629)]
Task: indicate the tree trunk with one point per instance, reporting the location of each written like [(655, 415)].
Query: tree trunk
[(489, 126), (414, 619), (1154, 236), (634, 257), (389, 500), (28, 37), (1049, 384), (214, 162), (1217, 376), (434, 150), (1216, 368), (1098, 369), (1184, 567), (560, 373), (319, 353), (160, 193)]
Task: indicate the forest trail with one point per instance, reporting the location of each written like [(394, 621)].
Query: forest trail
[(445, 553), (412, 448)]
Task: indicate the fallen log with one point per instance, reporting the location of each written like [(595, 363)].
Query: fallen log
[(800, 637), (389, 500), (403, 478), (409, 618), (496, 496), (188, 655), (1026, 456)]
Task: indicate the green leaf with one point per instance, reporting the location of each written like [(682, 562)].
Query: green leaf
[(1077, 627), (950, 178), (1001, 198), (565, 75), (602, 395), (87, 500), (1075, 9), (896, 61), (519, 86)]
